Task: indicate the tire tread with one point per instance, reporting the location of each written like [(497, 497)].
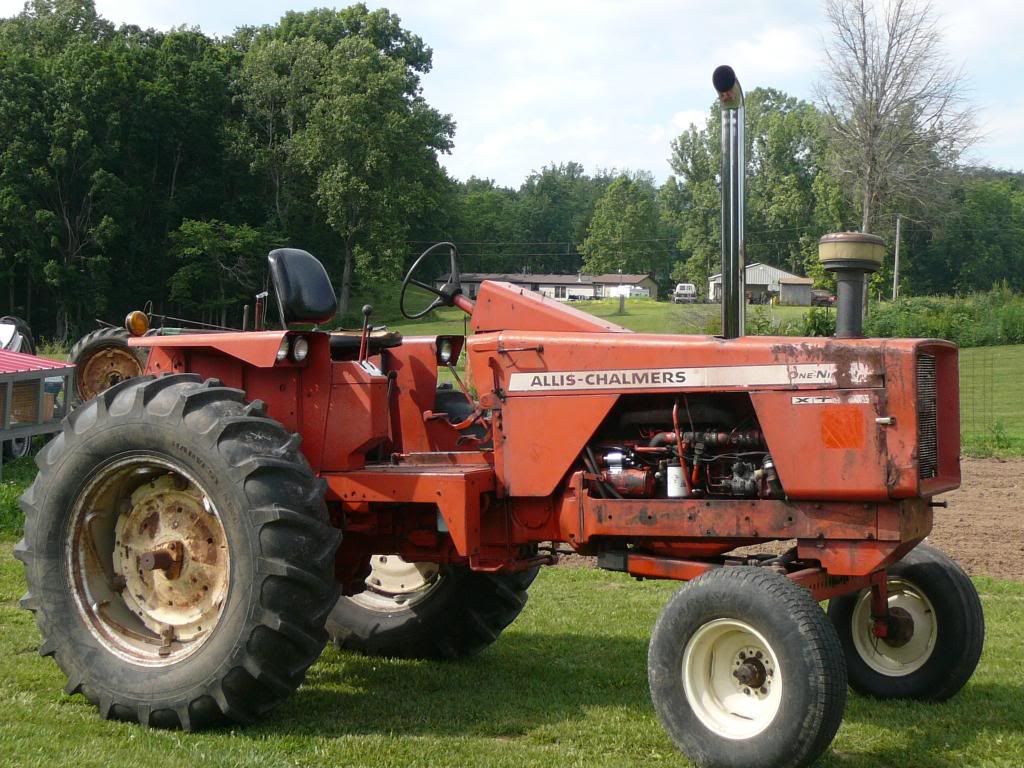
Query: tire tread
[(309, 574)]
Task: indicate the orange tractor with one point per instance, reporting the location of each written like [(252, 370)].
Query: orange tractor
[(196, 535)]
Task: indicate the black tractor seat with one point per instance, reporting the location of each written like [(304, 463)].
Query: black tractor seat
[(345, 344)]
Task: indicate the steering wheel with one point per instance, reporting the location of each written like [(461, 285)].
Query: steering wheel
[(445, 295)]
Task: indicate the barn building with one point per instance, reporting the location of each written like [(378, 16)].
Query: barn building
[(765, 282)]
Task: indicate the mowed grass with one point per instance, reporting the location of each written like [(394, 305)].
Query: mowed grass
[(992, 399), (641, 315), (565, 685)]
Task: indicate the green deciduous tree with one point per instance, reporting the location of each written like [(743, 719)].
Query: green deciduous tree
[(623, 233), (371, 146), (219, 266)]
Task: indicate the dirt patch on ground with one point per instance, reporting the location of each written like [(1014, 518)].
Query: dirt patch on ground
[(983, 529)]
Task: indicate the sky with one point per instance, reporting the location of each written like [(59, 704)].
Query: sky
[(609, 84)]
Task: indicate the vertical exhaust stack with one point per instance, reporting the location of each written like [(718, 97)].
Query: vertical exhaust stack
[(733, 171)]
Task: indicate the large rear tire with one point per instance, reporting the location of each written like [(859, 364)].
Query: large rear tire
[(102, 359), (746, 671), (178, 556), (936, 654), (423, 611)]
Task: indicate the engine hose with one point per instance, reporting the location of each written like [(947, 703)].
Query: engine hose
[(751, 438)]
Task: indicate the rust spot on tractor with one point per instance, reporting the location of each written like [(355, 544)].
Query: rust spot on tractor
[(855, 365), (645, 517)]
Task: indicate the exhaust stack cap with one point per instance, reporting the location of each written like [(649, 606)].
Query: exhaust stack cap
[(728, 86), (852, 256)]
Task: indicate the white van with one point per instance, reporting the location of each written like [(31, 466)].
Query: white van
[(685, 293)]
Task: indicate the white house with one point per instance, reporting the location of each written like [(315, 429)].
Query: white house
[(572, 287)]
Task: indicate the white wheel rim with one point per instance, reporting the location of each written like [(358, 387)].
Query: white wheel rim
[(147, 614), (396, 584), (891, 660), (724, 704)]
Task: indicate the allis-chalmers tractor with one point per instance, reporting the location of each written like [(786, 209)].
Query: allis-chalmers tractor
[(195, 535)]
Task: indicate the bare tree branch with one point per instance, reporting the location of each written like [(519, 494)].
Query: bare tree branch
[(894, 104)]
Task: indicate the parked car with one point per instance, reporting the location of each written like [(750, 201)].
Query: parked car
[(822, 298), (685, 293)]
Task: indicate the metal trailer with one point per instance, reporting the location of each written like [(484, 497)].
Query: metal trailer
[(27, 409)]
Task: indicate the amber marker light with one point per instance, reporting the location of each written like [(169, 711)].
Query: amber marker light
[(137, 323)]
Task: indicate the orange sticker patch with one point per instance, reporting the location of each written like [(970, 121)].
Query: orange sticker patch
[(842, 426)]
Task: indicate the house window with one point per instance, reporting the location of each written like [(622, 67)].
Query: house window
[(559, 291)]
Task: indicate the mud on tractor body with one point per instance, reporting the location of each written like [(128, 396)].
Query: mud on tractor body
[(196, 534)]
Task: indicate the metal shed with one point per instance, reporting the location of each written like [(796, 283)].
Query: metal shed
[(762, 283), (795, 291)]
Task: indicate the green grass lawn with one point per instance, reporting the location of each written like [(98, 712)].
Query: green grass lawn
[(565, 685), (641, 315), (991, 398)]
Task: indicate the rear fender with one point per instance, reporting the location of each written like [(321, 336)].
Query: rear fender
[(296, 394), (257, 348)]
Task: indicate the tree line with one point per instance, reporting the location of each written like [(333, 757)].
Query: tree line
[(140, 165)]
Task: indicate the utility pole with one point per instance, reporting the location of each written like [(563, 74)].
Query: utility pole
[(896, 265)]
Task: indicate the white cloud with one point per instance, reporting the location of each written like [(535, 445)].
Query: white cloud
[(775, 51), (607, 83)]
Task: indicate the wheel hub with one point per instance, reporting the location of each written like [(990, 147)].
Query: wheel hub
[(753, 672), (396, 583), (106, 368), (900, 625), (170, 559), (912, 630), (731, 678)]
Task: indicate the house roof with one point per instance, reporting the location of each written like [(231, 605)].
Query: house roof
[(617, 279), (549, 279), (763, 274)]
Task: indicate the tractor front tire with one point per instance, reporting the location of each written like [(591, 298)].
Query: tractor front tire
[(947, 631), (102, 359), (746, 671), (178, 555), (423, 611)]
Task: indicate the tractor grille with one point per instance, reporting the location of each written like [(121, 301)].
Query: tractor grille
[(927, 410)]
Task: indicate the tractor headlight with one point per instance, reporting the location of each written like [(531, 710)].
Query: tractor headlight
[(300, 348), (137, 323), (444, 351), (282, 351)]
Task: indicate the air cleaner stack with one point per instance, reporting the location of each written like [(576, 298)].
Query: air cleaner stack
[(852, 256)]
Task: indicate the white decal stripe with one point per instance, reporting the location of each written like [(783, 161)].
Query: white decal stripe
[(674, 378)]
